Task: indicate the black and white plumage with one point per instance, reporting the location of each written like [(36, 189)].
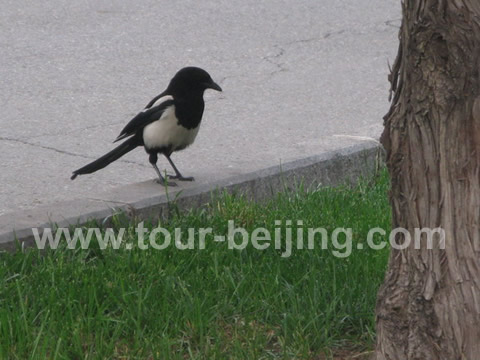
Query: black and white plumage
[(170, 122)]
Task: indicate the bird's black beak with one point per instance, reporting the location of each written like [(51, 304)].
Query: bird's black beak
[(213, 85)]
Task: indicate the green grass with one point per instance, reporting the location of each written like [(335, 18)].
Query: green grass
[(204, 304)]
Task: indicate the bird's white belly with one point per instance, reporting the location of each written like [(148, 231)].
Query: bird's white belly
[(167, 132)]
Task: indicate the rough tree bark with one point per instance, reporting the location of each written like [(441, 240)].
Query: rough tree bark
[(429, 304)]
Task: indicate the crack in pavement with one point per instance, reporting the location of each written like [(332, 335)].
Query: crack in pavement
[(274, 59), (2, 138)]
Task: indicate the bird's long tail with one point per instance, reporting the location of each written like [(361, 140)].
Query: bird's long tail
[(108, 158)]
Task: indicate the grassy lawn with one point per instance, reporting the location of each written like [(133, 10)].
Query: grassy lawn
[(215, 303)]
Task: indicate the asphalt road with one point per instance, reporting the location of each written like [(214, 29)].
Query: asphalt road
[(299, 78)]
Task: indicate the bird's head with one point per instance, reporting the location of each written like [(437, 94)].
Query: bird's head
[(191, 80)]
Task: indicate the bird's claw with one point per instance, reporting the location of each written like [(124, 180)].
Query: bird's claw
[(165, 183), (181, 178)]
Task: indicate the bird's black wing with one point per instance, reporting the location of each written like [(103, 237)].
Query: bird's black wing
[(144, 118)]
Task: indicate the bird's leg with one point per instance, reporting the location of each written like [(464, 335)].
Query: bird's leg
[(177, 175), (161, 180)]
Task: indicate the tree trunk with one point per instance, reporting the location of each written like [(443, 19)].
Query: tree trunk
[(429, 304)]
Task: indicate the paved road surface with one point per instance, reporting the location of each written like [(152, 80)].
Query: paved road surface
[(299, 78)]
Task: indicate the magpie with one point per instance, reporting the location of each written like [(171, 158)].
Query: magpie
[(170, 122)]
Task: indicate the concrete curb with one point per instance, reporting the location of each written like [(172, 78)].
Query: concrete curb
[(137, 201)]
